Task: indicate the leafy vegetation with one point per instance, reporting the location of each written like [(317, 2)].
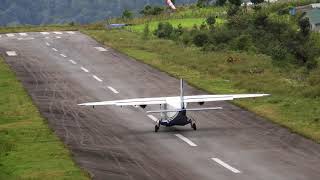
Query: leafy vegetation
[(28, 148)]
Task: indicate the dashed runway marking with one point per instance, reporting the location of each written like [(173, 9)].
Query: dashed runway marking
[(46, 37), (113, 90), (58, 37), (48, 44), (188, 141), (153, 118), (54, 49), (11, 53), (98, 79), (101, 49), (23, 34), (72, 61), (10, 35), (45, 33), (234, 170), (57, 32), (63, 55), (84, 69), (70, 32)]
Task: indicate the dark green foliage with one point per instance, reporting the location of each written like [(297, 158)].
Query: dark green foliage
[(202, 3), (211, 20), (232, 10), (305, 26), (235, 2), (221, 2), (127, 14), (151, 10), (164, 30), (257, 1), (200, 39)]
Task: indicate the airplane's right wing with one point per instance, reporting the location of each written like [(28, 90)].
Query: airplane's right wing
[(226, 97)]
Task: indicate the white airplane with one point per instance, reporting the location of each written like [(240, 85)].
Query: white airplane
[(173, 110)]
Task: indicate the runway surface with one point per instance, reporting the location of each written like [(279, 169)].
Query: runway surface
[(62, 69)]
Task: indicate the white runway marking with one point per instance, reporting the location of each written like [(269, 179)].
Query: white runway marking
[(186, 140), (57, 32), (45, 33), (54, 49), (48, 44), (72, 61), (47, 37), (113, 90), (101, 49), (20, 39), (11, 53), (23, 34), (10, 35), (70, 32), (63, 55), (0, 36), (31, 38), (153, 118), (84, 69), (98, 79), (58, 37), (234, 170)]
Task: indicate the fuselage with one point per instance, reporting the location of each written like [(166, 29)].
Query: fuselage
[(174, 118)]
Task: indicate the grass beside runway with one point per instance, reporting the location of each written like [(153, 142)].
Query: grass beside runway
[(290, 104), (28, 148)]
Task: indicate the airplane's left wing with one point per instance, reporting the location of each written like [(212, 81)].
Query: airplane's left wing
[(128, 102)]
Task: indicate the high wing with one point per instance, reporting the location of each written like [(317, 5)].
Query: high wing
[(163, 100)]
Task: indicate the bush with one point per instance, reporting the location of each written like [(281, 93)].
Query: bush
[(146, 32), (200, 39), (151, 10), (211, 20), (164, 30), (243, 43)]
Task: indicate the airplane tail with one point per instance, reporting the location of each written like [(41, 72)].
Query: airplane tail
[(182, 93)]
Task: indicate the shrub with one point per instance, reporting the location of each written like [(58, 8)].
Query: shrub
[(146, 32), (126, 14), (211, 20), (200, 39), (164, 30), (151, 10)]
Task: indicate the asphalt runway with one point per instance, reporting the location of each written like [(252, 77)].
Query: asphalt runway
[(61, 69)]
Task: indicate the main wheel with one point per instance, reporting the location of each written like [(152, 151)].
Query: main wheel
[(194, 126), (156, 128)]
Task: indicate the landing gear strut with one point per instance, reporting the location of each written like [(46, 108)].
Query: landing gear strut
[(194, 126), (156, 128)]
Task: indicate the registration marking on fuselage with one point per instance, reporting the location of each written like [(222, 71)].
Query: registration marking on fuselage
[(188, 141), (225, 165), (97, 78)]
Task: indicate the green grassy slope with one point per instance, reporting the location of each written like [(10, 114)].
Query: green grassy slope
[(212, 72), (28, 148)]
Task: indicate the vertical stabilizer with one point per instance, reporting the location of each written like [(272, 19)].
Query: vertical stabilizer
[(182, 93)]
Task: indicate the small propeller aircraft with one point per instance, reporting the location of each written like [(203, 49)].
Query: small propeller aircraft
[(173, 110)]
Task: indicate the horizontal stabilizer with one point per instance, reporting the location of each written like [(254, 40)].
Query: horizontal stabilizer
[(178, 110)]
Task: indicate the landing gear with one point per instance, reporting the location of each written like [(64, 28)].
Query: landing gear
[(156, 128), (194, 126)]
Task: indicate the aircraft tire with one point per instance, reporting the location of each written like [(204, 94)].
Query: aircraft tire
[(156, 128), (194, 126)]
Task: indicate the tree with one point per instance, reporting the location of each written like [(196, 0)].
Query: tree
[(235, 2), (211, 20), (257, 1), (126, 14), (305, 26), (221, 2)]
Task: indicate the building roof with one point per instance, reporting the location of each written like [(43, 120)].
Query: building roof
[(314, 16)]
